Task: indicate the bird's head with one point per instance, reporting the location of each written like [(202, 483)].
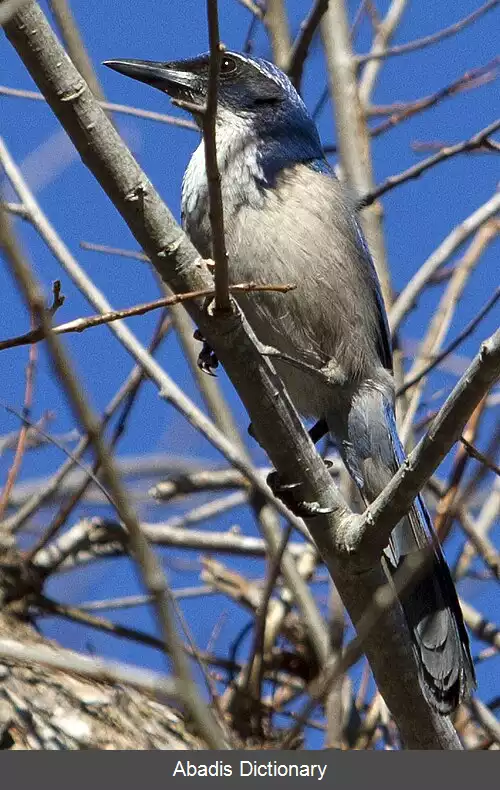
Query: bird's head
[(249, 89)]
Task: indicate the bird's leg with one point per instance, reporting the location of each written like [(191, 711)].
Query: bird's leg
[(287, 492), (207, 358)]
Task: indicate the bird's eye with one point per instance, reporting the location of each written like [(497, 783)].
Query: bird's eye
[(227, 65)]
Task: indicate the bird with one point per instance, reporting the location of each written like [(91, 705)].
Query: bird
[(287, 218)]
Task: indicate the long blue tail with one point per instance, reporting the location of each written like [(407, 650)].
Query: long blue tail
[(368, 441)]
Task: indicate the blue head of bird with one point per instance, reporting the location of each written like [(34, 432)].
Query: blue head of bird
[(256, 103)]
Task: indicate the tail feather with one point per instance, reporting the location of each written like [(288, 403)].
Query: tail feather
[(435, 620), (370, 446)]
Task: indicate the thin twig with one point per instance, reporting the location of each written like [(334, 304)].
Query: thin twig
[(443, 316), (478, 456), (36, 426), (253, 7), (302, 43), (276, 21), (463, 335), (482, 544), (472, 144), (22, 441), (403, 111), (254, 671), (216, 209), (385, 31), (80, 324), (133, 601), (75, 47), (120, 109), (426, 41), (50, 486), (445, 507), (487, 517), (408, 296)]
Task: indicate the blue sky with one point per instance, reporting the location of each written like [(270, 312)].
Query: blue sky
[(417, 217)]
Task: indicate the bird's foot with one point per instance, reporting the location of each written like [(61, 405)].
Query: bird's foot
[(207, 358), (287, 493)]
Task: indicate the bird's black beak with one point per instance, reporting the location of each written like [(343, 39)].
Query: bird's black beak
[(167, 77)]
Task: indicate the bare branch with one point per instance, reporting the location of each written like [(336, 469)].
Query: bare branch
[(74, 45), (80, 324), (276, 22), (120, 109), (352, 130), (482, 544), (408, 297), (486, 718), (426, 41), (216, 211), (253, 7), (148, 565), (384, 34), (487, 517), (475, 142), (482, 629), (392, 504), (9, 8), (443, 315), (478, 456), (403, 111), (277, 424), (300, 48), (22, 442), (465, 333)]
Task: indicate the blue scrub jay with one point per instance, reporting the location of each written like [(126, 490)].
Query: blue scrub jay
[(288, 219)]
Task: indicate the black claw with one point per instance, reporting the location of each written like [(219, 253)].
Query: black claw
[(311, 509), (285, 491), (319, 429), (207, 358)]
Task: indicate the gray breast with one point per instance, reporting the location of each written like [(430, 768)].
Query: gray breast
[(300, 232)]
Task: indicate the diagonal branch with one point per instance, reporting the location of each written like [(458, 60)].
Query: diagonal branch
[(408, 296), (446, 428), (302, 43), (80, 324), (426, 41), (479, 140)]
